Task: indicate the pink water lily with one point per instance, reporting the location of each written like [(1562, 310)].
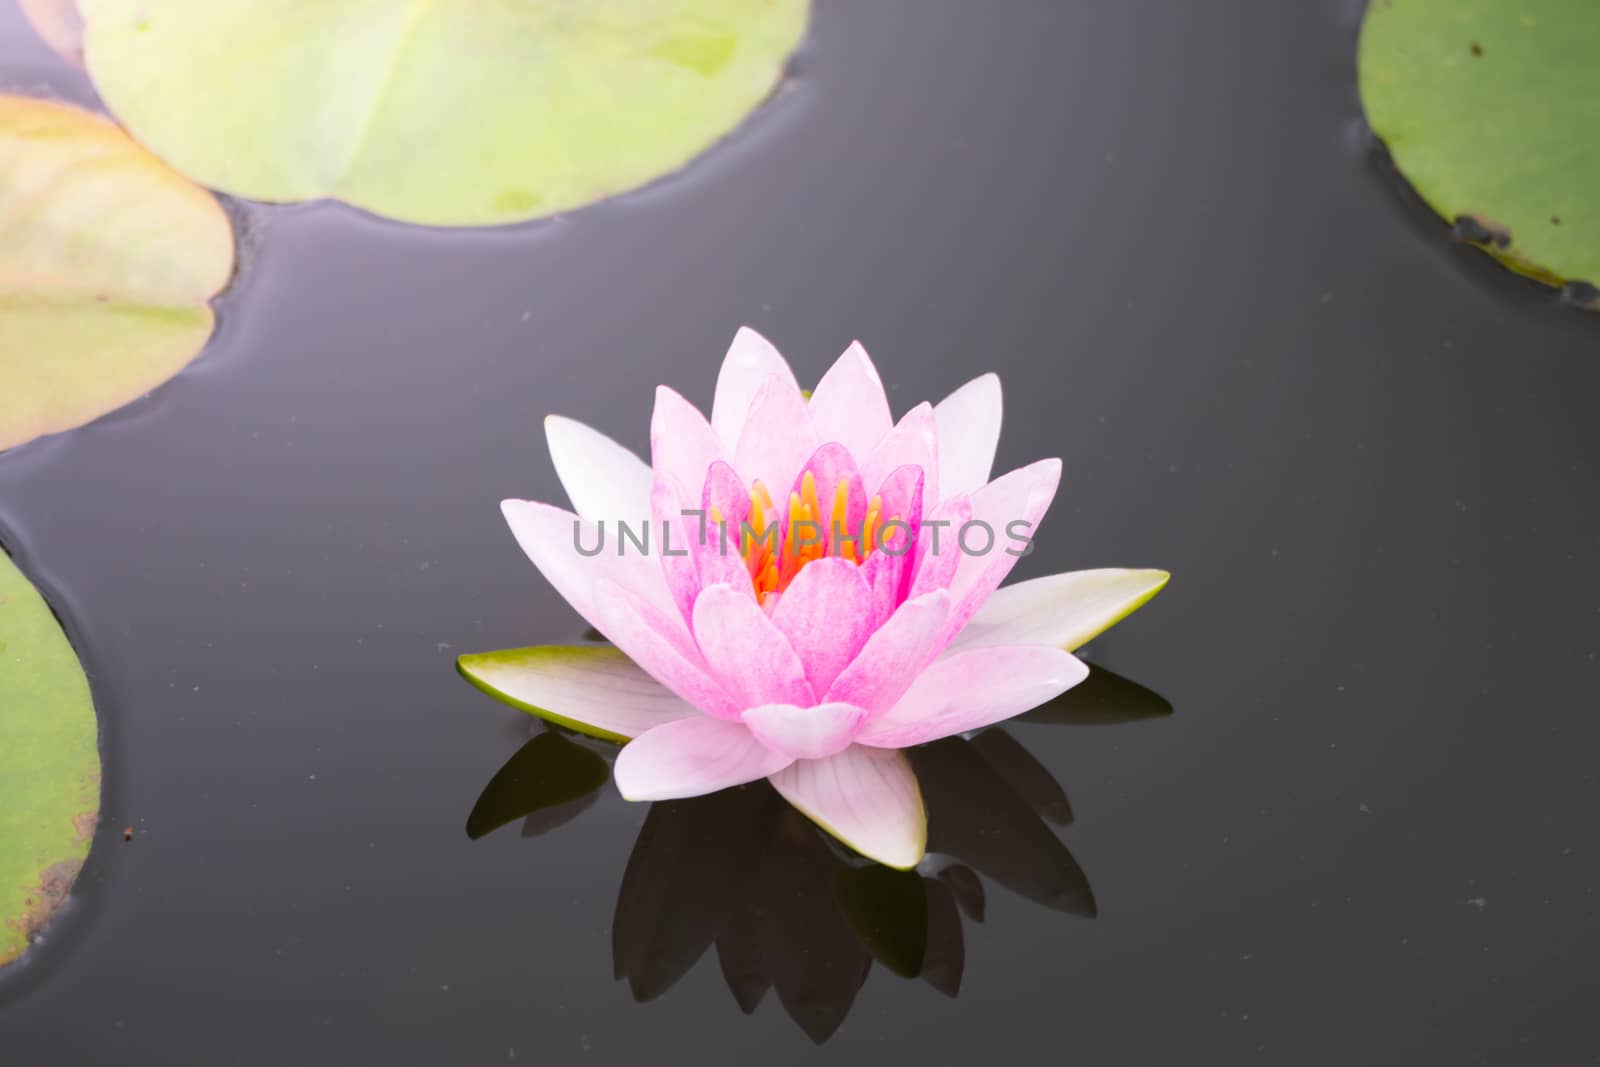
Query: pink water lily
[(822, 590)]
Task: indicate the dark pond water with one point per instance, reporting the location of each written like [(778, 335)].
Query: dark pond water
[(1365, 834)]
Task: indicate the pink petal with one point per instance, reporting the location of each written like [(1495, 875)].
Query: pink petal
[(746, 652), (938, 550), (828, 466), (901, 492), (969, 432), (654, 639), (548, 536), (805, 733), (718, 559), (914, 441), (593, 689), (751, 360), (849, 405), (692, 757), (777, 439), (893, 561), (826, 615), (678, 536), (884, 574), (602, 479), (867, 798), (682, 443), (1011, 505), (972, 689), (893, 655)]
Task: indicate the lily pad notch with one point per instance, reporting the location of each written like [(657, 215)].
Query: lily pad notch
[(1489, 110), (49, 764), (109, 261)]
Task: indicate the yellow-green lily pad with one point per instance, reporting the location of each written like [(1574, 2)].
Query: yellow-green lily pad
[(49, 763), (1490, 110), (436, 111), (108, 262)]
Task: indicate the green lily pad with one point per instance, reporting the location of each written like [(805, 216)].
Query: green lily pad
[(49, 763), (108, 261), (1490, 110), (440, 113)]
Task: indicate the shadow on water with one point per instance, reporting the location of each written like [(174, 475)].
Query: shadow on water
[(790, 911)]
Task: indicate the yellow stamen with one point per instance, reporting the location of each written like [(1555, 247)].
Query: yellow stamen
[(773, 561), (839, 521), (808, 486), (791, 547), (758, 509), (869, 526), (755, 548)]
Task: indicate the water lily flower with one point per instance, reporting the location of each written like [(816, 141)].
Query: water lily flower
[(822, 592)]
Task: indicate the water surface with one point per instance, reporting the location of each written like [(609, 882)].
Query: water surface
[(1366, 833)]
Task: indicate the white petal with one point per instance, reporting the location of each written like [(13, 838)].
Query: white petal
[(692, 757), (914, 441), (969, 432), (550, 536), (602, 479), (1010, 507), (805, 733), (682, 444), (849, 405), (866, 797), (750, 361), (777, 441), (974, 689), (593, 689), (1065, 610)]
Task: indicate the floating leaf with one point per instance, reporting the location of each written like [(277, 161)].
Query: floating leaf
[(577, 687), (49, 763), (461, 114), (1490, 110), (107, 262)]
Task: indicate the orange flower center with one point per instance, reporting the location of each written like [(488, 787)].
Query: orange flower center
[(777, 547)]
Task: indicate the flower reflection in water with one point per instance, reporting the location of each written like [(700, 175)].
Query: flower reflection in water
[(791, 912)]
